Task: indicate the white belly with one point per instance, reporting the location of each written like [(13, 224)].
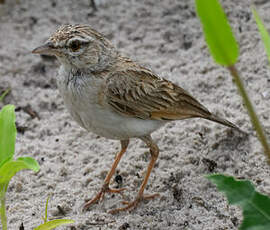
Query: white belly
[(114, 126), (84, 107)]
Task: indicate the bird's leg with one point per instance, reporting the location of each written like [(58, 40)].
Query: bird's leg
[(154, 150), (105, 188)]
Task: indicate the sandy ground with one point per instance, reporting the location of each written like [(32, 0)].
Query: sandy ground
[(166, 37)]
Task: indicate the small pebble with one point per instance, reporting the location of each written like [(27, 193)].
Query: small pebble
[(266, 94), (18, 187)]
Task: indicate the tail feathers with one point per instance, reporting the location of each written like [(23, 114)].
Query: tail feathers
[(223, 122)]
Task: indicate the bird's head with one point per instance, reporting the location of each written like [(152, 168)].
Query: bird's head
[(79, 47)]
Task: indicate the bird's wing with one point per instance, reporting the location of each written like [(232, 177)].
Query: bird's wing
[(141, 94)]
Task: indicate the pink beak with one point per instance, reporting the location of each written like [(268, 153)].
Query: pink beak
[(47, 48)]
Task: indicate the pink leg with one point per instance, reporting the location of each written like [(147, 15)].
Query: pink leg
[(105, 188), (154, 150)]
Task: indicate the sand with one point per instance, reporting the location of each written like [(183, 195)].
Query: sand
[(162, 35)]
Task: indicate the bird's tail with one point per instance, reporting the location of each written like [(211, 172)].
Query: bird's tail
[(223, 122)]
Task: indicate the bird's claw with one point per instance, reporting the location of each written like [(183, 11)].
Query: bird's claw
[(100, 196), (133, 204)]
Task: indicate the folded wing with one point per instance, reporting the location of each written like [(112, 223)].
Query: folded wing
[(141, 94)]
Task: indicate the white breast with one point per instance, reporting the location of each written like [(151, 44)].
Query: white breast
[(81, 97)]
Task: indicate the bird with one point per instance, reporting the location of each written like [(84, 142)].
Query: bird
[(114, 97)]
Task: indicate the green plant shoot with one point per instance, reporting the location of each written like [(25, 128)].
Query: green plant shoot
[(8, 166), (255, 206), (224, 49), (264, 34), (48, 225), (53, 224), (7, 134), (46, 210), (5, 93)]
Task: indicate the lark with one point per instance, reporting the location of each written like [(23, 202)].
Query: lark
[(116, 98)]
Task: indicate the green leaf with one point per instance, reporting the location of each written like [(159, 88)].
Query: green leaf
[(217, 32), (31, 163), (53, 224), (7, 133), (264, 34), (10, 168), (256, 206)]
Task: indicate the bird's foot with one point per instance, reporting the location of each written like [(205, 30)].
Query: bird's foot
[(133, 204), (99, 197)]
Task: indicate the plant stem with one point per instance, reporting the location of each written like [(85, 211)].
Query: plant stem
[(5, 93), (252, 114), (3, 213)]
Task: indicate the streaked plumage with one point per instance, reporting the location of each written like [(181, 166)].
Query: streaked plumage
[(114, 97)]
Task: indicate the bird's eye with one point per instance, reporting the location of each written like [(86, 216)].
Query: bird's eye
[(75, 45)]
